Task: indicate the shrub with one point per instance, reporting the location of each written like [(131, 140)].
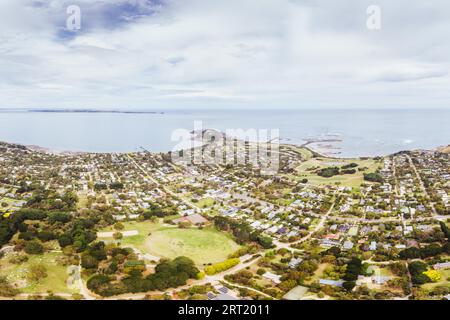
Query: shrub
[(33, 247), (6, 289), (328, 172), (65, 240), (373, 177), (349, 285), (434, 275), (221, 266), (89, 262)]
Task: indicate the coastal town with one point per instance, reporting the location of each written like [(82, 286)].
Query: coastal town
[(87, 226)]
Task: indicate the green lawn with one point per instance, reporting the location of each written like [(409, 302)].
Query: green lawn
[(144, 228), (56, 274), (205, 203), (203, 246)]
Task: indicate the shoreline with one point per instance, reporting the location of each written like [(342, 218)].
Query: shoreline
[(316, 152)]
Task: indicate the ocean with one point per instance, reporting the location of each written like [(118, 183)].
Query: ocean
[(349, 133)]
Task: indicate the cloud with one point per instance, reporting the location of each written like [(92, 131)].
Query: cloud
[(246, 53)]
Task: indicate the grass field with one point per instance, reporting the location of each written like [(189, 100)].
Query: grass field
[(350, 180), (56, 274), (144, 228), (201, 245), (205, 203)]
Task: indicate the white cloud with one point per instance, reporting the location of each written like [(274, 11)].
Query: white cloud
[(199, 53)]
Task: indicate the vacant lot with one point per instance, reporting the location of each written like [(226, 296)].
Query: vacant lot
[(18, 273), (350, 180), (205, 203)]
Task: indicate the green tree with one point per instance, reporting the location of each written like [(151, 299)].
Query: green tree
[(33, 247)]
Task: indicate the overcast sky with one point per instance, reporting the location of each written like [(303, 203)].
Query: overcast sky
[(157, 54)]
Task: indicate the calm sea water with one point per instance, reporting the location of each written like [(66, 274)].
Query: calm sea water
[(363, 132)]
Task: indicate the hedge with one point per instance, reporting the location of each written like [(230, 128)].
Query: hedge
[(221, 266)]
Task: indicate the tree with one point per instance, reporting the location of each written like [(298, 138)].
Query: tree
[(45, 236), (287, 285), (434, 275), (60, 217), (349, 285), (431, 250), (417, 267), (65, 240), (409, 253), (116, 185), (119, 226), (96, 281), (117, 235), (37, 272), (354, 268), (221, 266), (33, 247), (373, 177), (420, 279), (265, 241), (445, 229), (89, 262), (6, 289)]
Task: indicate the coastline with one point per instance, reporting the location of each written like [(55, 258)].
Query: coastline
[(308, 146)]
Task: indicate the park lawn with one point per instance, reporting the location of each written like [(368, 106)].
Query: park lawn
[(56, 274), (203, 246), (145, 228), (206, 245), (445, 274)]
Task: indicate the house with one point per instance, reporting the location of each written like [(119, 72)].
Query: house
[(188, 212), (193, 219), (272, 277), (332, 236), (348, 245), (330, 243), (334, 283), (255, 225), (380, 280), (443, 265), (294, 262)]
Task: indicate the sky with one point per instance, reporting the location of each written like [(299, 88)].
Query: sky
[(162, 54)]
